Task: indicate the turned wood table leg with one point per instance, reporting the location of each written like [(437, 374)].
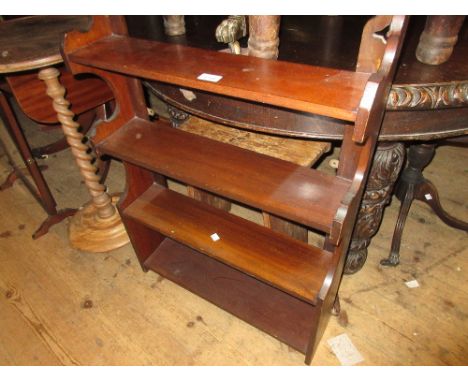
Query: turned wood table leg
[(438, 39), (174, 25), (85, 120), (388, 161), (97, 226), (263, 36), (413, 186)]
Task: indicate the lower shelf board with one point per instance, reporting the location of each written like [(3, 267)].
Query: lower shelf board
[(277, 313), (279, 260)]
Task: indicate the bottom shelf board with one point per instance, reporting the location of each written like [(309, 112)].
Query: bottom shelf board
[(294, 267), (277, 313)]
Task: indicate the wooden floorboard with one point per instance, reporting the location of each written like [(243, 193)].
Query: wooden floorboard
[(60, 306)]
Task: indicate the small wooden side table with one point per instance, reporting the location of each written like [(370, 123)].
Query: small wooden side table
[(33, 44)]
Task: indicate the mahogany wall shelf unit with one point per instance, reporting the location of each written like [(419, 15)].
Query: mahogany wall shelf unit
[(283, 286)]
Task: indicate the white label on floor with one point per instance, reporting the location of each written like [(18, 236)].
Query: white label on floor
[(344, 350), (209, 77), (215, 237), (412, 284)]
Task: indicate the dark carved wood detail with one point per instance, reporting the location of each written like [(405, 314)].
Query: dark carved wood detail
[(428, 96), (413, 186), (177, 116), (230, 30), (387, 164)]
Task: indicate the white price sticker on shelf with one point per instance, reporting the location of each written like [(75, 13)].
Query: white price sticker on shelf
[(209, 77)]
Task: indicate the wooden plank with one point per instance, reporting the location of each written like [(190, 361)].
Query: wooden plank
[(19, 338), (284, 317), (303, 152), (287, 264), (325, 91), (281, 188)]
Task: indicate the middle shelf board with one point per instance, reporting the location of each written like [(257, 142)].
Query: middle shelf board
[(297, 193)]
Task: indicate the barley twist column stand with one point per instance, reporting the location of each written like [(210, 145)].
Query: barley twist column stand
[(97, 226)]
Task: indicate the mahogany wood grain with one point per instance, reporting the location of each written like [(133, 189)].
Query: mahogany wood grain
[(328, 203), (143, 239), (325, 91), (284, 317), (371, 49), (10, 121), (128, 92), (84, 94), (289, 265), (300, 194)]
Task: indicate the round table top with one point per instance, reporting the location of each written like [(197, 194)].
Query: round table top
[(34, 42)]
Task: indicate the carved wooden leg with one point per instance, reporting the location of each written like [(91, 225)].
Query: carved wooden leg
[(438, 39), (97, 226), (263, 36), (394, 257), (174, 25), (427, 193), (230, 30), (405, 191), (388, 161), (412, 185)]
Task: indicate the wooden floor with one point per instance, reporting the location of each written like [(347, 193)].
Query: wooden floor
[(60, 306)]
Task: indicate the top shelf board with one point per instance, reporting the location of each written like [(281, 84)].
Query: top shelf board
[(324, 91)]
